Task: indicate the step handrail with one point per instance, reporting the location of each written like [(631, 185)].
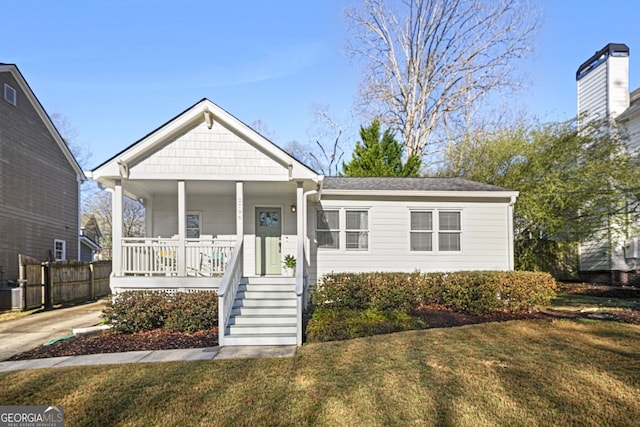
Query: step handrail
[(228, 289)]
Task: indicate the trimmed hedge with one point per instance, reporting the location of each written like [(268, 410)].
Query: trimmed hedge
[(192, 312), (475, 292), (348, 305), (137, 311)]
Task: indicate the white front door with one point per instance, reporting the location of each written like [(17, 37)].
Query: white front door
[(268, 241)]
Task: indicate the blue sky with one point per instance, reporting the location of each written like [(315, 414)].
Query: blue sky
[(119, 69)]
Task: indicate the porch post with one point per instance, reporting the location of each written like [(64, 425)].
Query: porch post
[(300, 263), (300, 225), (148, 217), (116, 228), (182, 228), (239, 210)]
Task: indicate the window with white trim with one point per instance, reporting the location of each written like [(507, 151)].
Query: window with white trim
[(449, 230), (10, 94), (59, 250), (431, 229), (194, 225), (357, 230), (421, 234), (328, 229)]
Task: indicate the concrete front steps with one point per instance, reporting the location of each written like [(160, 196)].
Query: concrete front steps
[(264, 312)]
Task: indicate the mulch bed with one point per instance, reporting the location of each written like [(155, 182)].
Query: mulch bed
[(435, 316), (158, 339), (442, 317)]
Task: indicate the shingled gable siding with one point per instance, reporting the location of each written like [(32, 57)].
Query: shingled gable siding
[(484, 238), (214, 153), (38, 187)]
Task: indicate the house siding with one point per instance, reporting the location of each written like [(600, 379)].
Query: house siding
[(592, 93), (618, 85), (39, 194), (484, 238), (632, 126), (215, 153)]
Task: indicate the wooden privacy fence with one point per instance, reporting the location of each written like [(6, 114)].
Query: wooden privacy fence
[(65, 282)]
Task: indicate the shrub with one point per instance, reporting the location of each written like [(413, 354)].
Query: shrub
[(481, 292), (343, 324), (474, 292), (136, 311), (192, 312), (383, 291)]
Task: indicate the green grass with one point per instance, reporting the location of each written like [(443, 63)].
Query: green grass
[(513, 373)]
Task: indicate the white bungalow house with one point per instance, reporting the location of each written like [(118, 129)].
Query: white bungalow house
[(224, 206)]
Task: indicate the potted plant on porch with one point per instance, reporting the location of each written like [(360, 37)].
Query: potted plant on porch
[(289, 265)]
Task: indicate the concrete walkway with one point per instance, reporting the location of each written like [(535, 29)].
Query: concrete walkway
[(28, 332), (231, 352)]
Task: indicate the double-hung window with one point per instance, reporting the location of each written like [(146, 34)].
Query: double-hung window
[(357, 230), (328, 229), (431, 229), (194, 225), (449, 231), (59, 250), (335, 226), (421, 231)]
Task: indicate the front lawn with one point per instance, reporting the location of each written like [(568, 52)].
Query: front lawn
[(529, 372)]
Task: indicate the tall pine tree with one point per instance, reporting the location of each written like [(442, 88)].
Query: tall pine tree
[(377, 155)]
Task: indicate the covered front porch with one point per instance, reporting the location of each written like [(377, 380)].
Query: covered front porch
[(192, 229)]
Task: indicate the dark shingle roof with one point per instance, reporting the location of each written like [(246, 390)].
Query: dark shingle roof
[(406, 184), (634, 106)]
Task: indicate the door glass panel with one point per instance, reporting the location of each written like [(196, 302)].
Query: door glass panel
[(269, 219)]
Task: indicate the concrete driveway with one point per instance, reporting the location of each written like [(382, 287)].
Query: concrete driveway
[(26, 333)]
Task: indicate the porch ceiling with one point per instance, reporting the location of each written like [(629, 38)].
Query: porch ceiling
[(148, 188)]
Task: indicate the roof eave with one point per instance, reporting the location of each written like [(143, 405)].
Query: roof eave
[(422, 193)]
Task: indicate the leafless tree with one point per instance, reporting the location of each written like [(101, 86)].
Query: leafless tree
[(70, 135), (427, 60), (99, 204), (263, 129), (328, 141)]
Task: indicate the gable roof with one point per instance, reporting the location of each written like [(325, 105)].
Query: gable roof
[(89, 223), (46, 120), (202, 111), (412, 186)]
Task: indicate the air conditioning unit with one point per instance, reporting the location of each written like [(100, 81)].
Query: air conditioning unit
[(632, 248)]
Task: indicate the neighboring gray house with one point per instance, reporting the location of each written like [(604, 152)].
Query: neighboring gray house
[(603, 93), (224, 206), (39, 181), (90, 238)]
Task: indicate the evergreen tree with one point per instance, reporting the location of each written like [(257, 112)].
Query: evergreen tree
[(377, 155)]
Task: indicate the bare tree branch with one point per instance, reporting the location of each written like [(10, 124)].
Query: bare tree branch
[(428, 60)]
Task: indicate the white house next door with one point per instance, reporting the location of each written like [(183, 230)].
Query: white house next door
[(268, 241)]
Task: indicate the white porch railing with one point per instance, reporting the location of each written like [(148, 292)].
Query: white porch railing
[(228, 290), (143, 256)]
